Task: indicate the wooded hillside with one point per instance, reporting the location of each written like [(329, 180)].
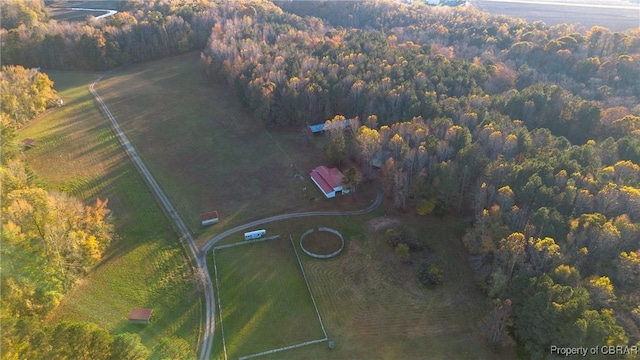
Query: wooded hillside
[(533, 131)]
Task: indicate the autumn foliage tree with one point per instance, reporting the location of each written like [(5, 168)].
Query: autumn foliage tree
[(24, 94)]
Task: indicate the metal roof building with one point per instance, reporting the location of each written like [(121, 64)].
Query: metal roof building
[(328, 180)]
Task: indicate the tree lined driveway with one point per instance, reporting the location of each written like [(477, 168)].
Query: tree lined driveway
[(200, 255)]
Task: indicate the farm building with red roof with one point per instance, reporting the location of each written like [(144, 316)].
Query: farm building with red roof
[(328, 180)]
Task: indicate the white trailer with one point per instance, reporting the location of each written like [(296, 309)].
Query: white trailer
[(256, 234)]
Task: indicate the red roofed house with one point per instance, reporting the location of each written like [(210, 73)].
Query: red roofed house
[(328, 180)]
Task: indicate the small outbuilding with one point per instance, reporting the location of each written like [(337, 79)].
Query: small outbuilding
[(209, 218), (320, 128), (140, 316), (28, 143)]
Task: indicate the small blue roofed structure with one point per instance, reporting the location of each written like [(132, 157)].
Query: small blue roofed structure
[(319, 128), (252, 235)]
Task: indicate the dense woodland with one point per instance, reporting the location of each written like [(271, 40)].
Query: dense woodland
[(530, 132), (140, 31)]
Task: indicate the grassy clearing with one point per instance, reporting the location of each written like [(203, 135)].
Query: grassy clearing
[(374, 307), (206, 150), (76, 152), (265, 300)]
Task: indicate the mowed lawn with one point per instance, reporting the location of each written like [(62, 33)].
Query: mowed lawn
[(264, 298), (76, 152), (204, 148)]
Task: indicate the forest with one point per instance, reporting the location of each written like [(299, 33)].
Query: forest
[(530, 132)]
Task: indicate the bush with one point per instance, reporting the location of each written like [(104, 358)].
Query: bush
[(431, 275), (402, 251)]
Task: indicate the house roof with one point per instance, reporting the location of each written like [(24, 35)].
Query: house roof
[(140, 314), (380, 158), (328, 179)]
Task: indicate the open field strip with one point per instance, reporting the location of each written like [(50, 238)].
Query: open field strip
[(185, 238), (112, 97), (265, 304), (76, 152)]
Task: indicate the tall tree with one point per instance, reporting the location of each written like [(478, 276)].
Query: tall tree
[(24, 94), (512, 249), (351, 179), (369, 145)]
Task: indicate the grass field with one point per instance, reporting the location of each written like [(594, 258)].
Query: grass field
[(205, 149), (264, 299), (371, 304), (374, 307), (76, 152)]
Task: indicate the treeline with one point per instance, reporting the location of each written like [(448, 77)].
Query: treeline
[(24, 94), (580, 61), (26, 338), (49, 242), (140, 31), (533, 131)]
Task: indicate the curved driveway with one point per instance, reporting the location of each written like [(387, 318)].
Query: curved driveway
[(200, 255)]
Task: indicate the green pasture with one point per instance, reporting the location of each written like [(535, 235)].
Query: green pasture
[(76, 152), (264, 299), (201, 144)]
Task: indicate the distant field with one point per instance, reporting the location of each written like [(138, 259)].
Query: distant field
[(265, 301), (616, 15), (76, 152), (64, 10)]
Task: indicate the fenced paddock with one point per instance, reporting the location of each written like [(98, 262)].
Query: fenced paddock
[(265, 304)]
